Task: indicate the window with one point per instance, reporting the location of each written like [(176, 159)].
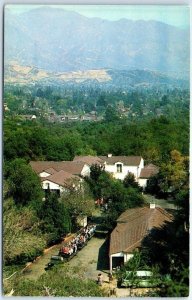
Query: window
[(119, 168)]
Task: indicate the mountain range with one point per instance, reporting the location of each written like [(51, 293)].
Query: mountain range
[(62, 41)]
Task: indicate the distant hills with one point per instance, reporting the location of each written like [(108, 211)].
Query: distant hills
[(105, 78), (61, 41)]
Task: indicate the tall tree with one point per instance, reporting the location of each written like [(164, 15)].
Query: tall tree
[(24, 184), (78, 200), (55, 218)]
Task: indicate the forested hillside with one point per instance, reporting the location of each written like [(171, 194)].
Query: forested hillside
[(153, 139)]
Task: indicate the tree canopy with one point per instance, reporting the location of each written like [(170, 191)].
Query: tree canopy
[(24, 184), (55, 219)]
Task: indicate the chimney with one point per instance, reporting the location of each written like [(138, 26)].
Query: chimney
[(109, 155), (152, 205)]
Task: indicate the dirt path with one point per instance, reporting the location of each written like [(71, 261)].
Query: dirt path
[(87, 257), (36, 269), (93, 258)]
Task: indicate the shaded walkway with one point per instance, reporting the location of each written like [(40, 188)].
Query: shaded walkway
[(103, 256)]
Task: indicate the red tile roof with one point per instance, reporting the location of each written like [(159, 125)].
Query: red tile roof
[(61, 178), (72, 167), (126, 160), (133, 225), (148, 171), (90, 160), (50, 171)]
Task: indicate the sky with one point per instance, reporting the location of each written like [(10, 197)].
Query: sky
[(170, 14)]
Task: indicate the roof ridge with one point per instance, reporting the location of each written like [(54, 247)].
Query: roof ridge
[(60, 172), (134, 212), (163, 211), (52, 178)]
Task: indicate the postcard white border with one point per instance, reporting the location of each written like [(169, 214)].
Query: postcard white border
[(80, 2)]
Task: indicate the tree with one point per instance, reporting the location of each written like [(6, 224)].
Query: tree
[(95, 171), (172, 177), (78, 200), (102, 187), (129, 181), (172, 241), (22, 239), (24, 184), (119, 198), (55, 218), (111, 114), (58, 282), (99, 182)]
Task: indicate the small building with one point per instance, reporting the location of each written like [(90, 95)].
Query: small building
[(33, 117), (118, 166), (82, 221), (132, 226)]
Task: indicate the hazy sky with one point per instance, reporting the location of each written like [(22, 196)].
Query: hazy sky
[(173, 15)]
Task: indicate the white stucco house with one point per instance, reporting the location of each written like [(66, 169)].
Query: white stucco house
[(120, 166), (54, 174), (58, 175), (132, 227)]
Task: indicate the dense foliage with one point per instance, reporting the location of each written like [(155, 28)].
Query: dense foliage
[(117, 194), (172, 177), (60, 281), (78, 202), (24, 184), (172, 240), (153, 139), (22, 239), (56, 221)]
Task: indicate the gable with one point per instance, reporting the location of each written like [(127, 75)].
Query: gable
[(44, 174)]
